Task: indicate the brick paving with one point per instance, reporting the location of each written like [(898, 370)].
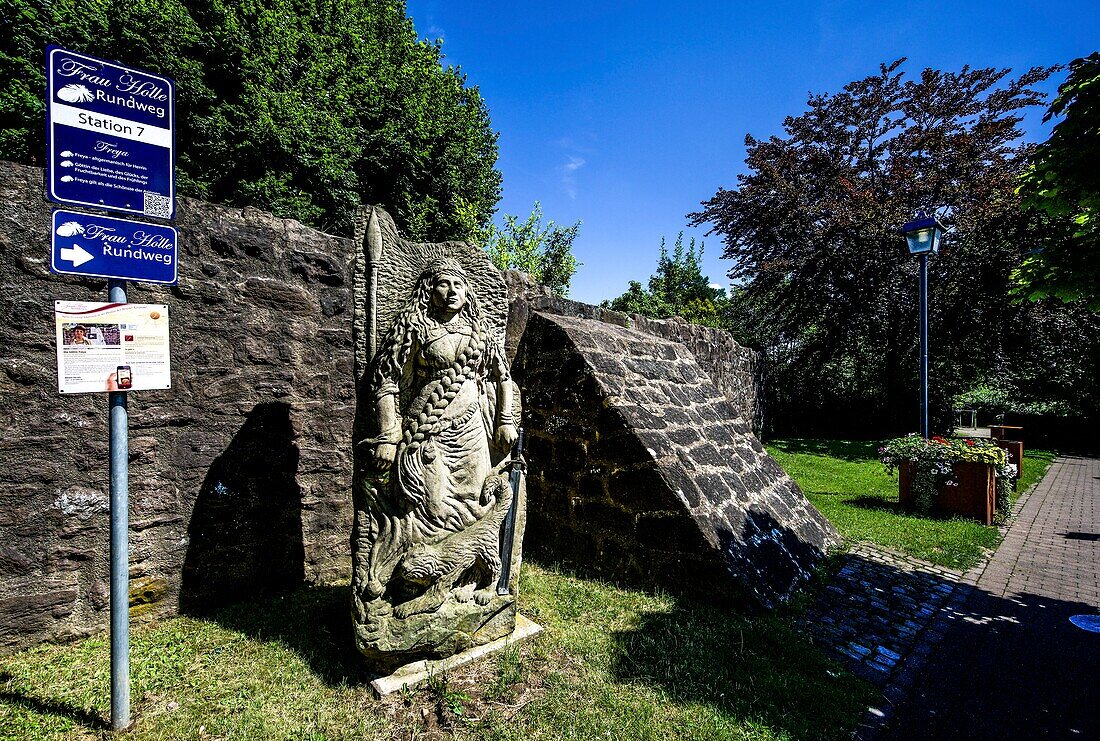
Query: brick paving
[(1010, 664), (987, 653)]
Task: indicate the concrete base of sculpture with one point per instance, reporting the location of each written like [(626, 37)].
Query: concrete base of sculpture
[(413, 674)]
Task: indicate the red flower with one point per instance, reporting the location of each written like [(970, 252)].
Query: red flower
[(970, 443), (938, 439)]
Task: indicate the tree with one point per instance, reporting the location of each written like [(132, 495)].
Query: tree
[(545, 252), (678, 288), (829, 292), (1063, 182), (305, 109)]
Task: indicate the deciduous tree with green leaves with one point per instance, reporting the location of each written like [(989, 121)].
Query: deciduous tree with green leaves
[(544, 251), (305, 109), (678, 288), (1063, 182)]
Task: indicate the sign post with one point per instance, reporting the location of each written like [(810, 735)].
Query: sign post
[(111, 145), (100, 246), (110, 135), (120, 544)]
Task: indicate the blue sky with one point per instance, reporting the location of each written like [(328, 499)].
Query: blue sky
[(625, 115)]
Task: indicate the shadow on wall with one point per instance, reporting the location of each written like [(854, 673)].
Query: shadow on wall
[(245, 535)]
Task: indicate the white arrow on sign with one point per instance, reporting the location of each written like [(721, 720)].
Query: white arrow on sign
[(77, 255)]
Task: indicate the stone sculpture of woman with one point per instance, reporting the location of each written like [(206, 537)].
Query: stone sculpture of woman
[(444, 403)]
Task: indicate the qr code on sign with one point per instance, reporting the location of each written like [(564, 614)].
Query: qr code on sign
[(158, 205)]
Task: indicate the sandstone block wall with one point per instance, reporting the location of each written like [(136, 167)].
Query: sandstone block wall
[(733, 369), (239, 475), (641, 471)]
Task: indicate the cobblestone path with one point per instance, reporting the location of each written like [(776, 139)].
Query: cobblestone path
[(881, 612), (988, 653)]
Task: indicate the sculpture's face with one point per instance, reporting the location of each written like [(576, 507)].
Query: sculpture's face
[(448, 292)]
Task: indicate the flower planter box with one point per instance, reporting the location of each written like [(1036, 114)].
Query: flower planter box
[(1015, 450), (974, 495)]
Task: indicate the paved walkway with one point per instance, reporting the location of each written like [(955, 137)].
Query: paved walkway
[(881, 613), (1010, 664)]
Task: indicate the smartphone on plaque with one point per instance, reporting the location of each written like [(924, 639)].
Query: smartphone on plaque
[(123, 377)]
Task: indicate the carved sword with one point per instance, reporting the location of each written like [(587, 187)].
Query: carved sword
[(515, 479)]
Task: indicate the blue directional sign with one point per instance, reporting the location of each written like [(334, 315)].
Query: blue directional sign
[(111, 135), (113, 248)]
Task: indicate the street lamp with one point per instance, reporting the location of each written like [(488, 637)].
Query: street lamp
[(923, 236)]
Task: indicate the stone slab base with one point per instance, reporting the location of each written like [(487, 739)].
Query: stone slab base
[(413, 674)]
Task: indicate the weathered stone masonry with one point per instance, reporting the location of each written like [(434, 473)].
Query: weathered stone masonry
[(732, 368), (642, 472), (239, 475)]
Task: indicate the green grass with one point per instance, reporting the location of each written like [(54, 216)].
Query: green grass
[(1036, 463), (611, 663), (845, 480)]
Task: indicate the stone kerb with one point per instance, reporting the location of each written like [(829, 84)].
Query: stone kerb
[(642, 472)]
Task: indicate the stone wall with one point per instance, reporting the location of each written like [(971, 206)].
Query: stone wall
[(641, 472), (733, 369), (239, 475)]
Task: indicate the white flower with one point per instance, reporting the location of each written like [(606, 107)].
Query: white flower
[(75, 94)]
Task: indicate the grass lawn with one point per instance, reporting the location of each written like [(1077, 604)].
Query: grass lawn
[(611, 663), (845, 480)]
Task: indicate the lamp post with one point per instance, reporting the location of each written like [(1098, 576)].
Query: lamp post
[(923, 236)]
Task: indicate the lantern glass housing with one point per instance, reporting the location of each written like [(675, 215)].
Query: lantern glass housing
[(923, 234)]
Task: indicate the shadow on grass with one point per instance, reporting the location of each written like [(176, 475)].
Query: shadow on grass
[(853, 451), (758, 670), (87, 718), (313, 621), (878, 504)]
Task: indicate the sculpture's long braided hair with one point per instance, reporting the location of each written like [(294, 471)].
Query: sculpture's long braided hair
[(410, 325)]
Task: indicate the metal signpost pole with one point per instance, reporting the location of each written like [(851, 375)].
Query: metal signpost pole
[(924, 346), (120, 545)]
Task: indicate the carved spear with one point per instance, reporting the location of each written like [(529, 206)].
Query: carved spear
[(374, 255), (515, 480)]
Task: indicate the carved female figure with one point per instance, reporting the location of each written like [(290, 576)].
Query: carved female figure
[(443, 397)]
